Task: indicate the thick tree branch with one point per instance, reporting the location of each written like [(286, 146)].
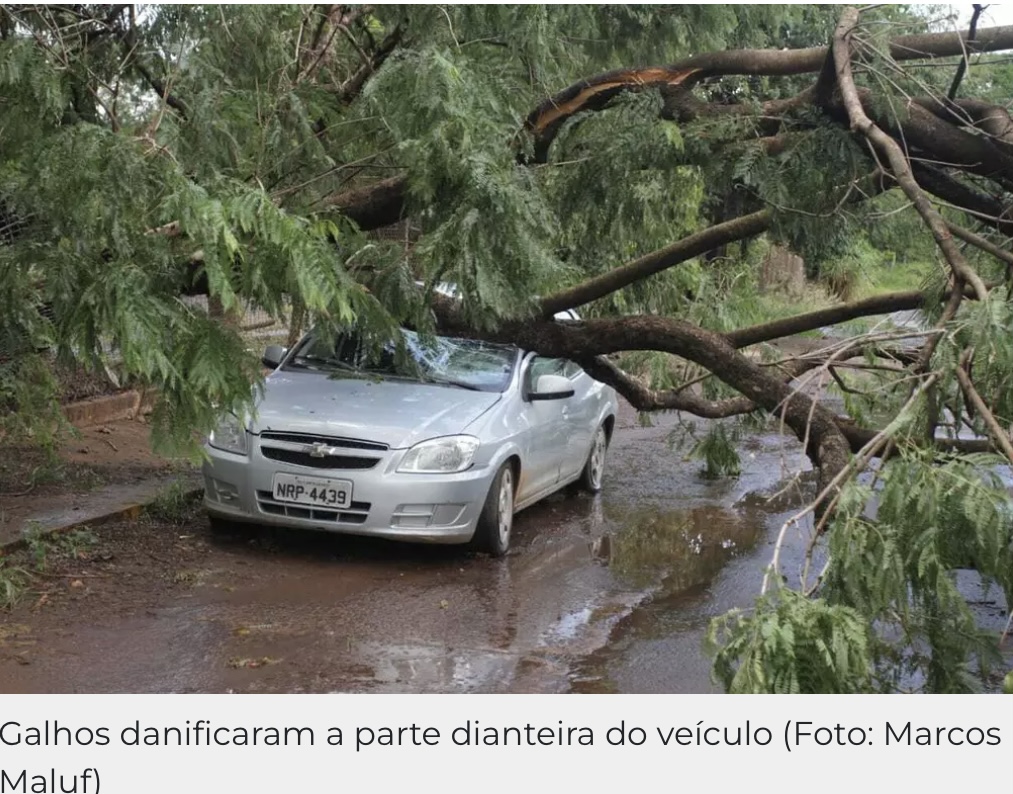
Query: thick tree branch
[(644, 398), (890, 149), (812, 423), (994, 428), (928, 132), (162, 89), (657, 261), (352, 87), (821, 318), (887, 303), (595, 92), (993, 120), (988, 209), (375, 205), (972, 30)]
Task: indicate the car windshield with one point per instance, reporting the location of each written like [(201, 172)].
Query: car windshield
[(465, 363)]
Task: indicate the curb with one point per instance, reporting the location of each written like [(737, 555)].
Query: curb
[(129, 512), (110, 408)]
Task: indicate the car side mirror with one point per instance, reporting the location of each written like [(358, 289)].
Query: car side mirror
[(552, 387), (273, 356)]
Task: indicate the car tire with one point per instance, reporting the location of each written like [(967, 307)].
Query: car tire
[(594, 469), (495, 522)]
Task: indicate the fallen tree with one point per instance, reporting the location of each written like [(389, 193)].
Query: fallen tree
[(147, 156)]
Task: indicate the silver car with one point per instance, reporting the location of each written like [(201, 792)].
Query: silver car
[(439, 441)]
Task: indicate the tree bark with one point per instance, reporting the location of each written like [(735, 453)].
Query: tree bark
[(595, 92), (657, 261), (810, 421), (373, 206), (860, 122)]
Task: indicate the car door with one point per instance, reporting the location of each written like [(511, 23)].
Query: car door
[(545, 430), (580, 415)]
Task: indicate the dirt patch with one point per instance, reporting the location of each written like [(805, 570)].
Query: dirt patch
[(88, 575), (36, 482), (83, 459)]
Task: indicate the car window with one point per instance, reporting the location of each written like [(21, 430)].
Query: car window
[(541, 365), (572, 370)]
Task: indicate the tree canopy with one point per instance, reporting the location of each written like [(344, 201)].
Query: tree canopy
[(629, 161)]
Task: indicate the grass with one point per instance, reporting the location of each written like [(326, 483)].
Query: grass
[(42, 550), (174, 505), (777, 306), (14, 582), (28, 467), (894, 278), (45, 547)]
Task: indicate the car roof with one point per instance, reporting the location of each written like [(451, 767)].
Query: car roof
[(450, 290)]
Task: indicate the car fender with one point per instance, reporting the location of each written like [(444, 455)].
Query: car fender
[(610, 407), (507, 450)]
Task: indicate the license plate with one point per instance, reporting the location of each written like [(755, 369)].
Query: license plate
[(315, 491)]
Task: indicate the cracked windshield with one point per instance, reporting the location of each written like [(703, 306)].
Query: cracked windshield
[(469, 364)]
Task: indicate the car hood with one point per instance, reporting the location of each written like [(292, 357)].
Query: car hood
[(393, 412)]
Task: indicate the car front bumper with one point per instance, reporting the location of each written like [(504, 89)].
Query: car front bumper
[(425, 508)]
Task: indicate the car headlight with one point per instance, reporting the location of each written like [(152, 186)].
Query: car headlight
[(229, 435), (440, 455)]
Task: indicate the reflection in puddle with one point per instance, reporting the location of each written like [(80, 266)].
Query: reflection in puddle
[(571, 624), (423, 667), (681, 548), (702, 559)]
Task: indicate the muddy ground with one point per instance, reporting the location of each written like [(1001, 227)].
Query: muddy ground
[(611, 593), (36, 482)]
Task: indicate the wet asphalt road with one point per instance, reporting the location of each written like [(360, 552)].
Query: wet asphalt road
[(611, 593)]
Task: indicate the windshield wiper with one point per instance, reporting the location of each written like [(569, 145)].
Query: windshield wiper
[(324, 360), (450, 382)]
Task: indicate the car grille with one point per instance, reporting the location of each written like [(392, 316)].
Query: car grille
[(331, 441), (326, 462), (356, 513)]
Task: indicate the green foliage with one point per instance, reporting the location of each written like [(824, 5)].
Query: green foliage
[(123, 200), (29, 410), (792, 644), (987, 329), (174, 505), (494, 232), (932, 518), (717, 449), (211, 143), (14, 582), (889, 587), (622, 189), (45, 546)]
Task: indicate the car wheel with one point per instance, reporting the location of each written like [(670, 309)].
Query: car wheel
[(492, 533), (594, 470)]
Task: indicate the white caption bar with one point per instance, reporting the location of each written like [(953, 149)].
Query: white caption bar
[(122, 744)]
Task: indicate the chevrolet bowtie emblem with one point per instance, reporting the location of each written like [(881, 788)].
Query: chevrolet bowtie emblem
[(318, 450)]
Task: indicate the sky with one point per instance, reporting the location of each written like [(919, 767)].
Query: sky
[(995, 13)]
